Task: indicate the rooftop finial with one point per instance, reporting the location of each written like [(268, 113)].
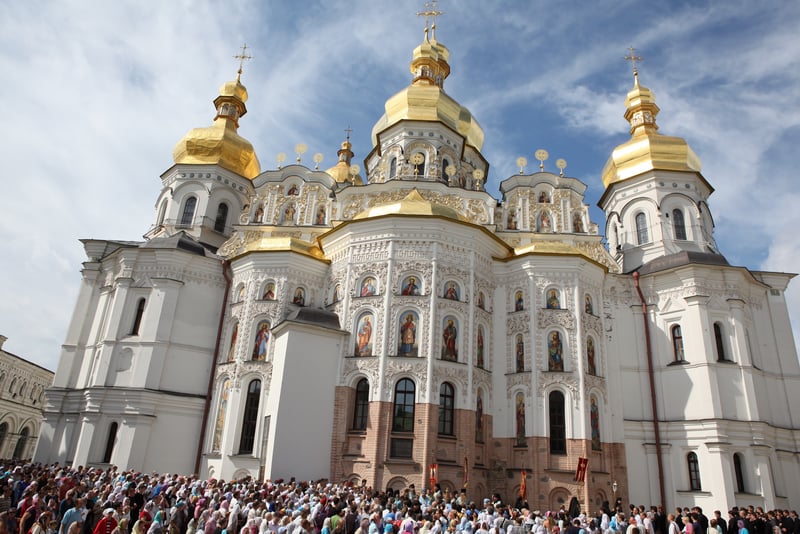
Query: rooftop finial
[(633, 58), (242, 58), (347, 132), (426, 14), (435, 13)]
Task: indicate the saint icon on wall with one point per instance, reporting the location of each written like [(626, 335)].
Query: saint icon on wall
[(519, 304), (594, 420), (481, 300), (364, 336), (408, 334), (269, 292), (368, 286), (299, 297), (555, 352), (410, 286), (553, 302), (449, 340), (451, 291), (232, 346), (479, 348), (520, 417), (260, 343), (588, 307), (520, 354), (591, 367)]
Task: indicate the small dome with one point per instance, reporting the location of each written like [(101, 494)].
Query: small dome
[(425, 98), (220, 144), (647, 149), (341, 171), (411, 204)]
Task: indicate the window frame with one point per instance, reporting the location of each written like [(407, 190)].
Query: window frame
[(405, 400), (361, 406), (642, 231), (557, 423), (187, 213), (447, 402), (222, 217), (247, 436), (678, 349), (693, 466), (679, 225)]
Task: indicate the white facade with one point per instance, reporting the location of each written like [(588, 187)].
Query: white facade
[(328, 325)]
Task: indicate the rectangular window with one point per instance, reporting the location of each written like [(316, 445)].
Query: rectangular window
[(401, 448)]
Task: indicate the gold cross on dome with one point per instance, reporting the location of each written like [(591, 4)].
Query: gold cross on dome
[(633, 58), (242, 58), (347, 131), (430, 12)]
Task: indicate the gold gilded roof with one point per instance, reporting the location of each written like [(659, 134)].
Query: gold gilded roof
[(220, 143), (281, 244), (425, 98), (341, 171), (647, 149), (548, 247), (411, 204)]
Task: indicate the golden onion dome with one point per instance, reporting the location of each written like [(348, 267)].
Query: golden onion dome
[(412, 204), (220, 144), (647, 149), (341, 171), (425, 98)]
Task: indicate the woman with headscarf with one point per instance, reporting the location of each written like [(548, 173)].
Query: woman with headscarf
[(157, 526), (742, 527)]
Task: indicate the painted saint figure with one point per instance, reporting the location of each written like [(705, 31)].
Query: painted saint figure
[(544, 222), (520, 354), (520, 416), (368, 287), (337, 293), (481, 303), (408, 336), (553, 302), (269, 292), (511, 220), (410, 286), (320, 220), (364, 337), (219, 424), (232, 347), (479, 350), (260, 344), (594, 419), (288, 214), (451, 291), (591, 367), (479, 418), (259, 215), (293, 190), (555, 359), (519, 305), (543, 198), (299, 297), (577, 223), (450, 341), (587, 306)]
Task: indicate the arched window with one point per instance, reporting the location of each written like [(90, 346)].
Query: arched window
[(222, 217), (678, 224), (137, 320), (737, 469), (361, 408), (19, 450), (719, 342), (447, 398), (188, 211), (393, 168), (677, 343), (694, 472), (250, 417), (3, 434), (445, 164), (403, 419), (641, 229), (112, 438), (162, 212), (558, 427)]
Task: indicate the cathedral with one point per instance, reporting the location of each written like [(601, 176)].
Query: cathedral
[(398, 324)]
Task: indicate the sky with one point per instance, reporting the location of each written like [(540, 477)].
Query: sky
[(97, 93)]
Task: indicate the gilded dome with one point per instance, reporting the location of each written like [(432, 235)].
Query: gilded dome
[(341, 171), (220, 143), (412, 204), (647, 149), (425, 98)]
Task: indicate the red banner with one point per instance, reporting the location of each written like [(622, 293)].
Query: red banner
[(523, 486), (580, 472), (466, 473), (434, 474)]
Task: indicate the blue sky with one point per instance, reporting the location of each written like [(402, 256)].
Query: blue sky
[(97, 93)]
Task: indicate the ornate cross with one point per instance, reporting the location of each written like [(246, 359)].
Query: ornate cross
[(633, 58), (347, 131), (242, 58), (430, 11)]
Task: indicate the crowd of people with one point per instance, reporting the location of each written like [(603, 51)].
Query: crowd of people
[(53, 499)]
